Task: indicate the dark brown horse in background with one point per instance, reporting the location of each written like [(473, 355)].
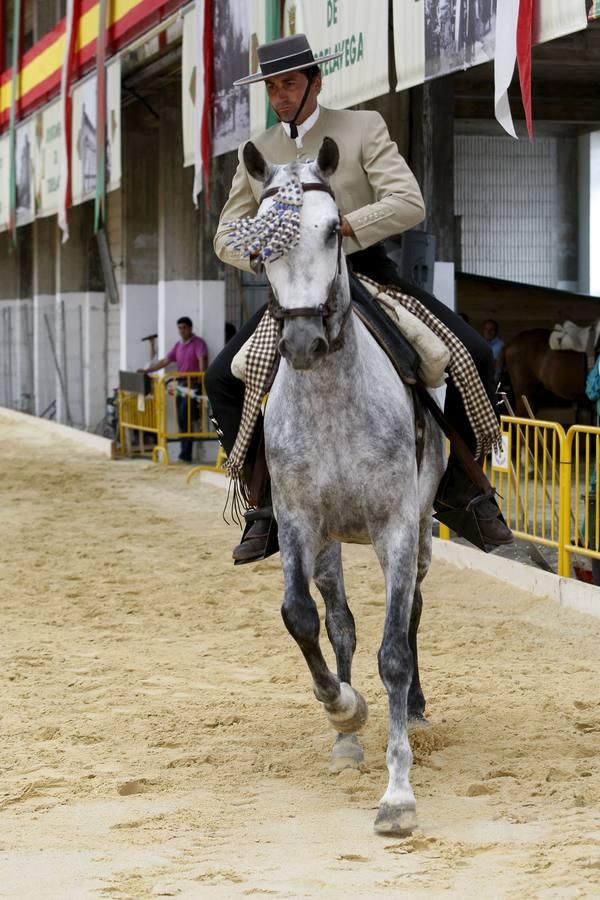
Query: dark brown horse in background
[(535, 370)]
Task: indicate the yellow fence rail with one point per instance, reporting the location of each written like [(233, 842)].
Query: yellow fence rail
[(177, 409), (582, 513), (548, 486)]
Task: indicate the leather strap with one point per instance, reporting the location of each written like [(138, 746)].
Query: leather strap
[(306, 186), (469, 463)]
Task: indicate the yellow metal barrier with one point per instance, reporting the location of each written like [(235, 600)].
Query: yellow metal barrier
[(582, 495), (140, 414), (531, 484), (549, 487), (217, 467), (177, 409)]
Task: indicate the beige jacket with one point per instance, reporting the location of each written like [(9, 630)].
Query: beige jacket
[(374, 188)]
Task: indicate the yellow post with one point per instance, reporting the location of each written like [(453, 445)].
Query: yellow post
[(160, 388), (564, 493), (121, 426)]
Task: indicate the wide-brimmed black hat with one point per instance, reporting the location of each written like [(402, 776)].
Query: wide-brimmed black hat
[(288, 54)]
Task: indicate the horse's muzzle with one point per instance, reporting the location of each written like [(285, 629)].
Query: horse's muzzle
[(304, 342)]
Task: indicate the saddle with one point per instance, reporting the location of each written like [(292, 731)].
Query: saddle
[(401, 354)]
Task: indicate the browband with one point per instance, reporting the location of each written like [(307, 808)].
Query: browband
[(306, 186)]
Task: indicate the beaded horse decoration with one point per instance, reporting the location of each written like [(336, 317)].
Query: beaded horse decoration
[(270, 235)]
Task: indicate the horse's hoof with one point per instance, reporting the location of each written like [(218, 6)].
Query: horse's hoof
[(396, 820), (346, 754), (418, 722), (350, 712)]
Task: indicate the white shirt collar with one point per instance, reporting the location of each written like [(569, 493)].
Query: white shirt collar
[(306, 126)]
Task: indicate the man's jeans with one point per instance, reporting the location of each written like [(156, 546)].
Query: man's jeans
[(185, 425)]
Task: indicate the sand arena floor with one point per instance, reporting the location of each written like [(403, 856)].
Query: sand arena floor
[(160, 738)]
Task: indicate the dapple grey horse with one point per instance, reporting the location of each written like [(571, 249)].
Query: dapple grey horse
[(340, 439)]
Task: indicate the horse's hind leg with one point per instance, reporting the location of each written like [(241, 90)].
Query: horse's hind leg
[(397, 552), (347, 752), (345, 708), (416, 698)]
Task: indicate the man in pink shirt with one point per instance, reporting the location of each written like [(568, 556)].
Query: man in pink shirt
[(190, 354)]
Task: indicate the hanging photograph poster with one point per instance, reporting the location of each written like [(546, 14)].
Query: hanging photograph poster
[(231, 105), (458, 34), (24, 172), (83, 135)]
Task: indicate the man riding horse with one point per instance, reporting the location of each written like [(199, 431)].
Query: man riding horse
[(378, 197)]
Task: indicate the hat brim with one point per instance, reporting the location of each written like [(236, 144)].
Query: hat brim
[(258, 76)]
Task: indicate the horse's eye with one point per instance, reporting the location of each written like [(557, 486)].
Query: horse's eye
[(333, 232)]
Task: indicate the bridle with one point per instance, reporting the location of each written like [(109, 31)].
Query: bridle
[(324, 310)]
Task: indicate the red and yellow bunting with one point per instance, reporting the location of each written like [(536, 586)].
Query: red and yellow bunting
[(40, 70)]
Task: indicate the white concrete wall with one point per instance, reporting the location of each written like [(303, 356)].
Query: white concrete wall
[(44, 372), (16, 354), (139, 317), (81, 351), (202, 301), (94, 363)]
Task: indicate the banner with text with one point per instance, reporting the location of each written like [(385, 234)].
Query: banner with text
[(409, 43), (258, 95), (46, 166), (555, 18), (359, 31)]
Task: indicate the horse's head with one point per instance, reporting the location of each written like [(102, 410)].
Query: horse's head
[(308, 276)]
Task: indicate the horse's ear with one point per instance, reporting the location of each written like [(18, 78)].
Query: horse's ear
[(328, 158), (255, 162)]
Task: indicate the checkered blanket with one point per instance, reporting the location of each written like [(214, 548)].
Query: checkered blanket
[(262, 355)]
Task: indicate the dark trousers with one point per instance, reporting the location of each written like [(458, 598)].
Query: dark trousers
[(226, 392), (185, 424)]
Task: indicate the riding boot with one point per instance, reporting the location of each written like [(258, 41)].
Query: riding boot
[(468, 511), (259, 539)]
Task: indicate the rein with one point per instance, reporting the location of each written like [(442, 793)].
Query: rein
[(325, 310)]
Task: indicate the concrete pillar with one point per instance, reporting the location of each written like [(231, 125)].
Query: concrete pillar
[(44, 317), (139, 289), (589, 213), (16, 322), (432, 159), (187, 267), (24, 322), (9, 293), (80, 324)]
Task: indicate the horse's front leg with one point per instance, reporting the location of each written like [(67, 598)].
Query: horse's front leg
[(397, 551), (347, 752), (345, 708)]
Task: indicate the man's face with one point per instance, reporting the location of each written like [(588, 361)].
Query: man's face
[(489, 331), (285, 94), (185, 332)]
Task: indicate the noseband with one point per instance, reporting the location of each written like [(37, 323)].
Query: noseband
[(325, 310)]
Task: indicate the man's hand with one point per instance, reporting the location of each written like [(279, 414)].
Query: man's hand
[(346, 228)]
